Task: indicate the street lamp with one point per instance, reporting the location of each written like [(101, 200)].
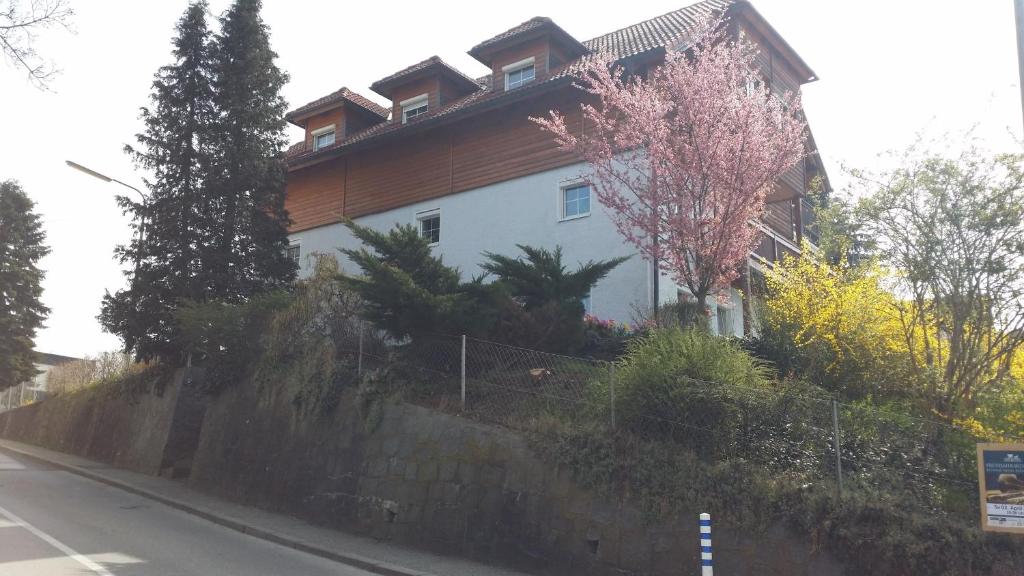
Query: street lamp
[(145, 202)]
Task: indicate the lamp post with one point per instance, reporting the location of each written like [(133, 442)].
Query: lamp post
[(145, 201)]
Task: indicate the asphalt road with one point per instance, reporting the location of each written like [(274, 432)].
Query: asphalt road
[(54, 523)]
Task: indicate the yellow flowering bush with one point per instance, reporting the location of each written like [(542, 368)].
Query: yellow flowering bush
[(836, 326)]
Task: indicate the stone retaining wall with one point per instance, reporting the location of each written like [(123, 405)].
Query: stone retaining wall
[(419, 477), (130, 430)]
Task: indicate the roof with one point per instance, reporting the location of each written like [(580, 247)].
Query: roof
[(53, 359), (668, 31), (342, 95), (428, 66), (535, 25)]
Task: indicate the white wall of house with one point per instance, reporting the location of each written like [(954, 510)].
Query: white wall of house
[(526, 210)]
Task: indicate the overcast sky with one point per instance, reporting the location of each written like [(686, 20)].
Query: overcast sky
[(887, 69)]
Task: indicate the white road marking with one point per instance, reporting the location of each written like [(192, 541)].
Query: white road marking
[(96, 568)]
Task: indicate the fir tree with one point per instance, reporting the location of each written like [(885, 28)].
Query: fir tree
[(216, 228), (176, 149), (248, 249), (21, 312)]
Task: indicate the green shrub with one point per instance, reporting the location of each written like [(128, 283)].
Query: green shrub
[(871, 531), (607, 339), (534, 301), (688, 386), (226, 338)]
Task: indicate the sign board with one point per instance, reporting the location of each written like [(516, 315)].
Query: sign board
[(1001, 484)]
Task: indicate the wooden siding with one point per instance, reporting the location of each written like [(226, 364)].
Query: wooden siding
[(335, 117), (429, 86), (557, 56), (491, 148), (410, 170), (779, 217), (507, 144), (538, 49), (780, 77), (316, 195), (357, 120)]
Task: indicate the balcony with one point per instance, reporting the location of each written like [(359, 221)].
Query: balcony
[(809, 223)]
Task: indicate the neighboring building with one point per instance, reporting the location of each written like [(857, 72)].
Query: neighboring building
[(35, 389), (461, 159)]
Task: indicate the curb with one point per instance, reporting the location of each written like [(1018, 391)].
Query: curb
[(353, 560)]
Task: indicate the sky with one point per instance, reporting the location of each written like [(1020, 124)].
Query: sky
[(888, 70)]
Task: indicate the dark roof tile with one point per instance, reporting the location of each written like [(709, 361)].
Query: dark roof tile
[(666, 31), (531, 24), (384, 84), (343, 94)]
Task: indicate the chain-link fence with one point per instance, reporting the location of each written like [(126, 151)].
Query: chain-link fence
[(787, 429), (21, 395)]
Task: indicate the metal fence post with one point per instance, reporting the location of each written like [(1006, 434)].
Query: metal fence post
[(359, 362), (21, 395), (835, 440), (463, 372), (611, 390), (706, 568)]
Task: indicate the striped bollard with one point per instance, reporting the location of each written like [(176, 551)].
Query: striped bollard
[(705, 545)]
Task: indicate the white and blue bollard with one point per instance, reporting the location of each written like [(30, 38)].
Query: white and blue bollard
[(705, 545)]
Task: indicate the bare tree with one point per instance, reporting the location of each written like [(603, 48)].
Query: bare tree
[(88, 371), (20, 22), (953, 230)]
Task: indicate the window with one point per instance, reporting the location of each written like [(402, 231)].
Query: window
[(519, 73), (430, 226), (413, 107), (724, 321), (754, 85), (575, 201), (323, 137), (293, 253)]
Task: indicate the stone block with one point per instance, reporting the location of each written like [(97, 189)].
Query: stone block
[(410, 470), (389, 446), (492, 476), (447, 470), (377, 467), (428, 471), (467, 473)]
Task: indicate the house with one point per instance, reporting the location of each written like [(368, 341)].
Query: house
[(35, 389), (460, 158)]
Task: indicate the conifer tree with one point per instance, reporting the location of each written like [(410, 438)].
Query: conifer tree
[(249, 246), (176, 149), (21, 311), (216, 228)]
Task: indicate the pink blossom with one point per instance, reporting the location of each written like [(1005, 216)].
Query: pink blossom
[(687, 155)]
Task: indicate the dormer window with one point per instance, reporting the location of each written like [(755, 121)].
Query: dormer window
[(413, 107), (519, 73), (323, 137)]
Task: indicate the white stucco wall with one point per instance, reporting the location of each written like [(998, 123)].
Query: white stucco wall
[(524, 210)]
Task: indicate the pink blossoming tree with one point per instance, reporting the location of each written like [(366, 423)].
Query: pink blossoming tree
[(684, 158)]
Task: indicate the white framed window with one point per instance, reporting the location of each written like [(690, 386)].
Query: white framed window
[(575, 200), (323, 137), (430, 225), (519, 73), (413, 107), (294, 252), (754, 85)]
